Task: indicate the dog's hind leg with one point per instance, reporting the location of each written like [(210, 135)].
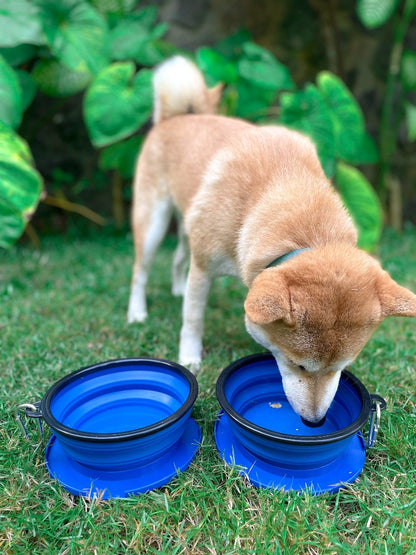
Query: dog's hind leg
[(196, 294), (180, 263), (149, 228)]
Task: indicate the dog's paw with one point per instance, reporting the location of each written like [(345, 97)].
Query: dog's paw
[(190, 350), (178, 284), (136, 316), (178, 289), (191, 364)]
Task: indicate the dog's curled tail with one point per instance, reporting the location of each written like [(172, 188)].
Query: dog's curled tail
[(179, 88)]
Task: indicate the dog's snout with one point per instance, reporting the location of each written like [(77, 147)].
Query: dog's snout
[(315, 424)]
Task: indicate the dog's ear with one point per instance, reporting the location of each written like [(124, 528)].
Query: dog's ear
[(269, 299), (395, 300), (214, 95)]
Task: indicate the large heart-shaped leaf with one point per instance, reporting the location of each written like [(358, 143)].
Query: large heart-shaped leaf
[(362, 203), (308, 112), (374, 13), (19, 23), (258, 66), (11, 107), (55, 79), (117, 103), (352, 142), (20, 186), (76, 34)]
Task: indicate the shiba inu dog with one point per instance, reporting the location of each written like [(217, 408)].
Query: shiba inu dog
[(254, 202)]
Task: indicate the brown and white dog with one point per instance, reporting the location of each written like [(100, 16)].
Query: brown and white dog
[(254, 202)]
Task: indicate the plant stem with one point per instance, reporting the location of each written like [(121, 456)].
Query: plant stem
[(33, 236), (64, 204)]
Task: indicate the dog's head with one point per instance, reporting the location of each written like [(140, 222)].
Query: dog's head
[(315, 313)]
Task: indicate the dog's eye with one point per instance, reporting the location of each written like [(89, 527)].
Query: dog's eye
[(302, 368)]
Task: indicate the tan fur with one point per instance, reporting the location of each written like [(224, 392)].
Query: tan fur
[(247, 195)]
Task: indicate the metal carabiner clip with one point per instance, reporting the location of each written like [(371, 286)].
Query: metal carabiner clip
[(31, 410), (378, 405)]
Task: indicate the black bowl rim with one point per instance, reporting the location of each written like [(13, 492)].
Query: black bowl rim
[(114, 437), (318, 439)]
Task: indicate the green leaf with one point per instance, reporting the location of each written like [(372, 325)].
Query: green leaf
[(76, 33), (374, 13), (362, 203), (352, 143), (216, 67), (409, 9), (118, 103), (155, 51), (18, 55), (122, 156), (13, 147), (411, 121), (232, 46), (55, 79), (258, 66), (12, 223), (146, 17), (20, 186), (27, 86), (114, 6), (408, 70), (11, 107), (19, 23), (252, 102), (308, 112), (133, 37)]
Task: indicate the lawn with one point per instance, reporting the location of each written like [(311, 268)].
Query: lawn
[(64, 307)]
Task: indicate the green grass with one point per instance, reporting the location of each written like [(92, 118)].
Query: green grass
[(64, 307)]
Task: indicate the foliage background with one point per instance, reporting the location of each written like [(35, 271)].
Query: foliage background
[(74, 51)]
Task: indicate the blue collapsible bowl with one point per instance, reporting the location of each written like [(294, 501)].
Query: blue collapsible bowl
[(121, 427), (258, 430)]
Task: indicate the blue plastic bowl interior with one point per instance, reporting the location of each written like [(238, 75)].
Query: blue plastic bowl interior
[(121, 413), (250, 392)]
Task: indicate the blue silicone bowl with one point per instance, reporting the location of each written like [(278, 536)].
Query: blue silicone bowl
[(121, 427), (258, 429)]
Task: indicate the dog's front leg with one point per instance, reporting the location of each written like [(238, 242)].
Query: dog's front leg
[(196, 293)]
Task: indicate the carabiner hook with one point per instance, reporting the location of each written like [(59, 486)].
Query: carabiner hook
[(379, 404), (31, 410)]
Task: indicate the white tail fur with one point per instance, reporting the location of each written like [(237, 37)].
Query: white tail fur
[(179, 88)]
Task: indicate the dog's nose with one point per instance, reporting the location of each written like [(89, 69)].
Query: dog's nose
[(314, 424)]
